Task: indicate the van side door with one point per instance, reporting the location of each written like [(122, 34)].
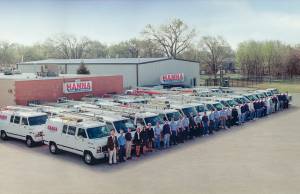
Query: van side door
[(72, 140), (81, 139), (16, 128), (24, 128)]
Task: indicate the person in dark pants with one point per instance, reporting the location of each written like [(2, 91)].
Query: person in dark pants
[(138, 142), (235, 116), (180, 130), (128, 138), (145, 138), (166, 134), (150, 132), (122, 143), (173, 127), (186, 125), (205, 124), (192, 126)]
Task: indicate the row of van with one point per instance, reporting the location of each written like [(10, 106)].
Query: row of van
[(82, 127)]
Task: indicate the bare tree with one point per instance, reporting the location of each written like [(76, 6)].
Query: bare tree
[(213, 52), (173, 37), (69, 46)]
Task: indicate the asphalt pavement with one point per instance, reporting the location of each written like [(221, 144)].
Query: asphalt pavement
[(261, 156)]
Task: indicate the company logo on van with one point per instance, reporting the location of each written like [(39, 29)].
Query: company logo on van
[(3, 117), (52, 128), (77, 87)]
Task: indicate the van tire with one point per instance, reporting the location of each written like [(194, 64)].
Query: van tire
[(53, 148), (29, 141), (88, 158), (3, 135)]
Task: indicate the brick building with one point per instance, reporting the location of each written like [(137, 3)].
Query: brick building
[(26, 88)]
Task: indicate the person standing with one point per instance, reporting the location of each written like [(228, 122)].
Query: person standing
[(192, 126), (157, 136), (173, 127), (205, 124), (122, 143), (112, 145), (145, 138), (137, 141), (186, 124), (217, 119), (223, 118), (198, 122), (235, 116), (229, 118), (211, 124), (166, 134), (150, 132), (180, 129), (128, 138)]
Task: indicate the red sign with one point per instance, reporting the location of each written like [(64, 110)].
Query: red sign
[(77, 87), (3, 117), (52, 128), (172, 78)]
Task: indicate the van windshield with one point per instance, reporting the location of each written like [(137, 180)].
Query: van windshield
[(38, 120), (188, 111), (232, 103), (124, 124), (218, 106), (201, 108), (97, 132), (252, 97), (153, 120), (174, 115)]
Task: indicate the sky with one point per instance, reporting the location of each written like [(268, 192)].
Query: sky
[(111, 21)]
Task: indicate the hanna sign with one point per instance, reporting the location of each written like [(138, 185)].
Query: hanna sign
[(172, 78), (77, 87)]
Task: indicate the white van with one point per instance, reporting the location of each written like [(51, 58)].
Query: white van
[(25, 125), (86, 138)]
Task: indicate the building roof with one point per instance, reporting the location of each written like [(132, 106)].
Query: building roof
[(101, 61), (33, 76)]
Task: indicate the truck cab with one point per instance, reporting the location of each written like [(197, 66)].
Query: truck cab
[(87, 138), (25, 125)]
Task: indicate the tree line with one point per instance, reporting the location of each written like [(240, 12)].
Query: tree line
[(173, 39)]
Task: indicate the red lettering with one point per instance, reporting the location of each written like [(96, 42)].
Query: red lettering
[(52, 128), (3, 117)]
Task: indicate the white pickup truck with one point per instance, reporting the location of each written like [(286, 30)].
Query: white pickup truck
[(86, 138), (24, 125)]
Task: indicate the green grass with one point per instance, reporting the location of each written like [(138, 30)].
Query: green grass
[(285, 86)]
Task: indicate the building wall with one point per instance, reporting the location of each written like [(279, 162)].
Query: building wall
[(32, 68), (49, 90), (7, 92), (149, 73), (127, 71)]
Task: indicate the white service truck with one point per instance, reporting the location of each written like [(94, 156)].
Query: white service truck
[(22, 124), (86, 138)]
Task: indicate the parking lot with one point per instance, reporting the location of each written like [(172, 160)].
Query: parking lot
[(259, 157)]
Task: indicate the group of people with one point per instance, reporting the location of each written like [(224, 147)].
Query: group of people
[(149, 138)]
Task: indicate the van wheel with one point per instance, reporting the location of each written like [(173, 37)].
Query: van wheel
[(88, 158), (3, 135), (53, 148), (29, 141)]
